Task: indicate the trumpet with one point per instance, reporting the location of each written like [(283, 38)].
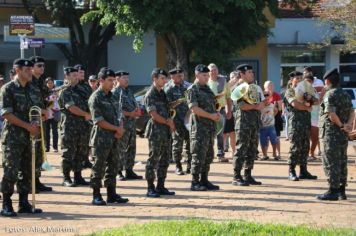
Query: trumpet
[(172, 106)]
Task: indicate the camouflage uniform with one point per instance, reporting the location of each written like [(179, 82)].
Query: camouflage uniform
[(71, 130), (128, 140), (103, 142), (158, 136), (173, 93), (335, 141), (300, 124), (202, 131), (16, 142)]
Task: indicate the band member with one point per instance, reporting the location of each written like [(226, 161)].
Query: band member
[(84, 90), (219, 85), (300, 124), (201, 101), (336, 117), (38, 80), (247, 128), (17, 97), (174, 91), (158, 132), (71, 129), (130, 113), (104, 108)]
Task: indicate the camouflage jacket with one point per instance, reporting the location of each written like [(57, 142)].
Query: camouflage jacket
[(128, 103), (40, 83), (298, 119), (203, 97), (173, 93), (103, 107), (155, 100), (18, 100), (84, 91), (338, 101)]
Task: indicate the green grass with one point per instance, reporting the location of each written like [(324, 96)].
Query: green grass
[(202, 227)]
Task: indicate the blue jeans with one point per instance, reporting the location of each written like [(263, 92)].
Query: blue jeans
[(268, 132)]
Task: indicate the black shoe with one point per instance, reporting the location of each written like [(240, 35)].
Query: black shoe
[(41, 187), (116, 199), (130, 174), (87, 164), (97, 198), (164, 191), (265, 158), (7, 209), (67, 182), (342, 193), (79, 180), (179, 171), (120, 176), (239, 181), (151, 192), (330, 195), (196, 186), (25, 206), (188, 171), (249, 179), (292, 175), (304, 174), (210, 186)]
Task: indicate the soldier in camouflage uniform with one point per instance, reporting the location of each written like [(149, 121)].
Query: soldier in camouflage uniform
[(299, 133), (38, 80), (84, 90), (71, 129), (17, 97), (130, 113), (247, 125), (175, 90), (106, 113), (158, 132), (336, 117), (201, 101)]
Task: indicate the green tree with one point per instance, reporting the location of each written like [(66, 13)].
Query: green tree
[(86, 46), (193, 31)]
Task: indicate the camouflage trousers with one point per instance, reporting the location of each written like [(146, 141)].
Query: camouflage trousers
[(39, 153), (246, 149), (106, 160), (180, 140), (299, 146), (158, 158), (72, 146), (202, 150), (16, 162), (84, 151), (335, 161), (127, 149)]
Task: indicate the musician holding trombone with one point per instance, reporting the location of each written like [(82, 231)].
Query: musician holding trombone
[(17, 97)]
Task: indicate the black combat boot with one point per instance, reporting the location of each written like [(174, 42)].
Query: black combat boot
[(67, 181), (7, 209), (79, 180), (87, 164), (179, 169), (113, 197), (25, 206), (206, 183), (238, 180), (120, 176), (196, 185), (304, 174), (249, 179), (97, 198), (342, 192), (151, 190), (161, 190), (130, 174), (41, 187), (292, 175), (331, 195)]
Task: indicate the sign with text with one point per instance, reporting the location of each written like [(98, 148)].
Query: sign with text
[(21, 25), (35, 42)]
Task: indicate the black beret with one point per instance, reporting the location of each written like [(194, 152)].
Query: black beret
[(105, 72), (243, 67), (121, 73), (158, 71), (176, 70), (201, 69), (298, 73), (331, 74), (79, 67), (23, 62), (37, 59), (93, 77), (291, 74), (68, 70)]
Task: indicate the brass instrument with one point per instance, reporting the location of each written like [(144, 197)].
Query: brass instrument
[(304, 92), (172, 106), (66, 84), (221, 123), (247, 92)]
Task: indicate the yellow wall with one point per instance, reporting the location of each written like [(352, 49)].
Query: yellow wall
[(161, 58)]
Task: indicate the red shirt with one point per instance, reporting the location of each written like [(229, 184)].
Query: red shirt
[(274, 98)]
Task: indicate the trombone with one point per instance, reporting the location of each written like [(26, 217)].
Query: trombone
[(172, 106)]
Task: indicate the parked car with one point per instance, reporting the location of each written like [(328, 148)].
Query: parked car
[(352, 93), (141, 121)]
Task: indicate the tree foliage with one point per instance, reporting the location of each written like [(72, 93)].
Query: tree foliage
[(193, 31)]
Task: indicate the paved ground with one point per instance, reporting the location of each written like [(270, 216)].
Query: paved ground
[(68, 210)]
